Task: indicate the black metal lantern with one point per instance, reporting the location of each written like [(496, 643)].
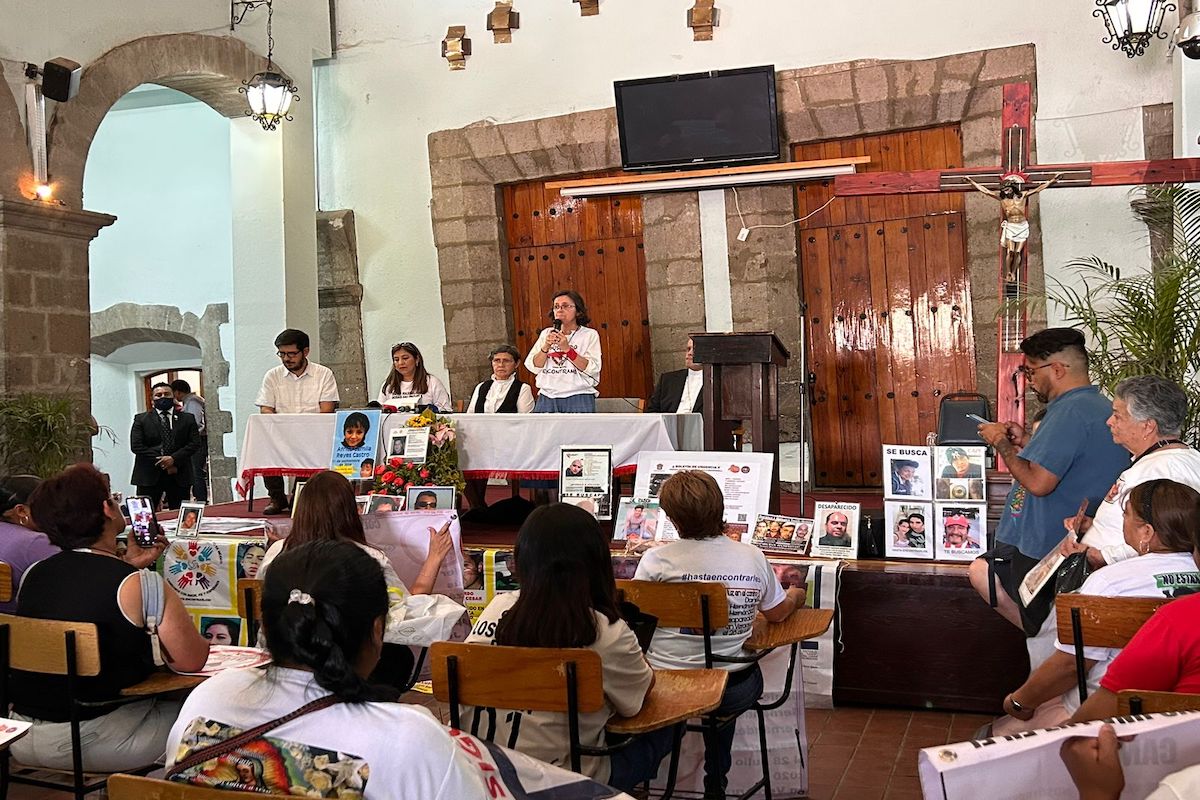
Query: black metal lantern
[(1132, 24), (270, 93)]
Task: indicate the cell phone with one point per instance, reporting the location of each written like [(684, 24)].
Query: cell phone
[(979, 419), (142, 520)]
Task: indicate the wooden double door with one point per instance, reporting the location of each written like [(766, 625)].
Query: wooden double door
[(888, 303), (593, 246)]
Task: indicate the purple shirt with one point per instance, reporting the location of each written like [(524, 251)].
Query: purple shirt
[(21, 548)]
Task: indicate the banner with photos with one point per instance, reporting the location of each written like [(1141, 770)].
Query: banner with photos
[(204, 573), (486, 573), (744, 478)]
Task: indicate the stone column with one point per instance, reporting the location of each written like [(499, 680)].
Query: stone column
[(45, 333), (340, 297)]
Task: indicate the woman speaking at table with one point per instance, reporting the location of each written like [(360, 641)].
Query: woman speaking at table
[(409, 381), (566, 359)]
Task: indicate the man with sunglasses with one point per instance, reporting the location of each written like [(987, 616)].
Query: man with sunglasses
[(1070, 458), (296, 386)]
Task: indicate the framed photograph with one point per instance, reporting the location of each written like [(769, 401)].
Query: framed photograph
[(424, 498), (191, 515), (907, 472), (221, 630), (300, 482), (385, 503), (906, 532), (586, 471), (410, 444), (960, 473), (363, 501), (638, 520), (961, 532), (355, 442), (836, 530), (250, 556), (782, 534)]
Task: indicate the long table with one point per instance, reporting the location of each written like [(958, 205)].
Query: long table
[(489, 445)]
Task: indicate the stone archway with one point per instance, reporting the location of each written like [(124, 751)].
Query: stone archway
[(209, 68), (15, 164), (130, 323)]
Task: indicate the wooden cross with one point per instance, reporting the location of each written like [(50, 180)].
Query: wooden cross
[(1016, 121)]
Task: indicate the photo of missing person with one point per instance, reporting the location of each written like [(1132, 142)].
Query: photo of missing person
[(427, 498), (384, 504), (835, 530), (962, 531), (506, 574), (249, 558), (788, 534), (221, 630), (791, 574), (656, 482), (191, 515), (907, 472), (637, 520), (961, 462), (354, 430), (905, 534), (355, 442), (624, 567), (366, 470), (472, 569)]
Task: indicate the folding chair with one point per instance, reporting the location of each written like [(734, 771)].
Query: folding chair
[(1135, 701), (954, 426), (1086, 620), (134, 787), (564, 680), (706, 606), (70, 649)]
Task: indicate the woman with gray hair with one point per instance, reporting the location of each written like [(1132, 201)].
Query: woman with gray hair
[(1147, 417)]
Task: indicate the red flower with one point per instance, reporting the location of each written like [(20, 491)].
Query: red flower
[(394, 462), (380, 469), (424, 473), (388, 477)]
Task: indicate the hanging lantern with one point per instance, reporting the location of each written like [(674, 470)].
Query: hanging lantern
[(1132, 24), (270, 96)]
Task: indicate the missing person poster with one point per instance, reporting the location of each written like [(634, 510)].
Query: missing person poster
[(641, 520), (586, 473), (907, 527), (355, 443), (410, 444), (836, 534), (961, 531), (960, 474), (907, 472), (781, 534), (744, 478)]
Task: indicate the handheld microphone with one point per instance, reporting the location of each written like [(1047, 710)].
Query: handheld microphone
[(558, 326)]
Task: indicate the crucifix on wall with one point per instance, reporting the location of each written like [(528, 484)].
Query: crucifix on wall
[(1008, 183)]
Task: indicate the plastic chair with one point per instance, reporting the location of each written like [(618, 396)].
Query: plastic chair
[(954, 426)]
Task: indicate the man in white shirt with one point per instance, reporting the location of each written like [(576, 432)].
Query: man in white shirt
[(500, 394), (296, 386), (1147, 417), (678, 392)]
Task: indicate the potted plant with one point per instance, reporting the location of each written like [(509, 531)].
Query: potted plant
[(41, 434)]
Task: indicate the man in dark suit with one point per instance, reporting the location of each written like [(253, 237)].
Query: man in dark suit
[(163, 441), (678, 391)]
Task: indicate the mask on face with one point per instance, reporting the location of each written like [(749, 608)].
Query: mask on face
[(164, 403)]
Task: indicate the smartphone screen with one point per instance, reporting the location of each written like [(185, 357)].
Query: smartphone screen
[(141, 517)]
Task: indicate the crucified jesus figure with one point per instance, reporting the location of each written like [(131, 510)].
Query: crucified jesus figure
[(1014, 230)]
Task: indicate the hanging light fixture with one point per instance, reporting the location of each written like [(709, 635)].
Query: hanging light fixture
[(269, 93), (1132, 24)]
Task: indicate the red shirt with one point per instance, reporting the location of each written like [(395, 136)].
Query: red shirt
[(1164, 656)]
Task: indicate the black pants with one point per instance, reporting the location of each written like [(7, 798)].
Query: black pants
[(167, 486), (276, 489), (200, 471)]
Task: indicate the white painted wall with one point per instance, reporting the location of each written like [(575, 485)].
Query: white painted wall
[(388, 89)]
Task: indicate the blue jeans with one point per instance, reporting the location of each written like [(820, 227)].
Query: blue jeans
[(639, 760), (573, 404)]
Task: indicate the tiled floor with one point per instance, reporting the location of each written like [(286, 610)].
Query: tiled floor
[(854, 753)]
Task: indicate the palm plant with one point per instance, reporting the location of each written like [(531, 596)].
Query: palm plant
[(41, 434), (1145, 323)]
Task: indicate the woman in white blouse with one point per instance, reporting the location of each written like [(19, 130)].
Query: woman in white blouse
[(502, 393), (408, 381), (566, 359)]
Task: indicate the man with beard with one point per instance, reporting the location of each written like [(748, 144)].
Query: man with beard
[(1071, 457)]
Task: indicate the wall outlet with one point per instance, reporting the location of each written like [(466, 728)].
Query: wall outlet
[(743, 234)]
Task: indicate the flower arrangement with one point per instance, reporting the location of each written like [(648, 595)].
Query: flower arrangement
[(394, 476)]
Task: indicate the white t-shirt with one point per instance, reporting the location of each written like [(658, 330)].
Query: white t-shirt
[(691, 390), (291, 394), (1151, 575), (396, 588), (1180, 465), (496, 394), (1181, 785), (384, 750), (751, 586), (559, 377), (437, 395), (544, 735)]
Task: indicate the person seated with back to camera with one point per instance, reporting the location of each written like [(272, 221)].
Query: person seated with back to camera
[(408, 382), (324, 606), (566, 359), (679, 391), (692, 500), (568, 598), (89, 582), (1161, 523), (21, 544)]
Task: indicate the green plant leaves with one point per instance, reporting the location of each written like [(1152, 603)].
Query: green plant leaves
[(41, 434)]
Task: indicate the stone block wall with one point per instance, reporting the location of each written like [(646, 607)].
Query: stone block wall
[(674, 274), (339, 299)]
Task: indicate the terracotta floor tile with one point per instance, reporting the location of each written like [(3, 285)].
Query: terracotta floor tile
[(881, 739), (842, 738), (819, 791), (846, 792), (830, 754), (903, 794)]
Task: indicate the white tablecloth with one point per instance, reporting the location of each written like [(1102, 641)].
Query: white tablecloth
[(489, 445)]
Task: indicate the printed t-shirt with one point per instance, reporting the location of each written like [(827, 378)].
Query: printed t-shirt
[(561, 378)]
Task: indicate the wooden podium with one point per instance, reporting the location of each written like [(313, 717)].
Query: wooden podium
[(741, 384)]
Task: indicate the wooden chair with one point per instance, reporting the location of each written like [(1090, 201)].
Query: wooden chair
[(136, 787), (250, 606), (6, 582), (706, 606), (620, 405), (1135, 701), (72, 650), (565, 680), (1093, 621)]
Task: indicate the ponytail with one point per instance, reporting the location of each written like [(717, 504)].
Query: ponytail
[(321, 602)]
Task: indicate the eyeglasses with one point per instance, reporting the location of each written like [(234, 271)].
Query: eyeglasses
[(1028, 371), (563, 306), (287, 353), (404, 346)]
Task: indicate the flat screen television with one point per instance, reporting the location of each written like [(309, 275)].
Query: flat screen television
[(703, 119)]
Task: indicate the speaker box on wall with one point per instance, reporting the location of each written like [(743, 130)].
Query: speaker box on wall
[(60, 79)]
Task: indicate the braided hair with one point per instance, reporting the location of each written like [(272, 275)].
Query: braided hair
[(320, 604)]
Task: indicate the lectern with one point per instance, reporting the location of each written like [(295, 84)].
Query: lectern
[(741, 384)]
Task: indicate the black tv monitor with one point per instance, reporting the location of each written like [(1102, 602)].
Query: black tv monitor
[(703, 119)]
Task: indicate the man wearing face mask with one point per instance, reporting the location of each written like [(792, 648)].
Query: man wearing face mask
[(163, 441)]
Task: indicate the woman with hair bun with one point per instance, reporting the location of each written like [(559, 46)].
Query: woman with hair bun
[(21, 545)]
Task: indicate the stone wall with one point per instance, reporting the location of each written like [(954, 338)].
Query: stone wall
[(674, 274), (339, 296)]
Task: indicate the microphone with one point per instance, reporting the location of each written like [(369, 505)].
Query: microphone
[(558, 326)]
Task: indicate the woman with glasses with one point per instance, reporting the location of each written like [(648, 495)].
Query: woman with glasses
[(566, 359), (409, 383), (1161, 519)]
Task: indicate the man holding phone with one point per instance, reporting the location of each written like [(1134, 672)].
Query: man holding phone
[(163, 441)]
